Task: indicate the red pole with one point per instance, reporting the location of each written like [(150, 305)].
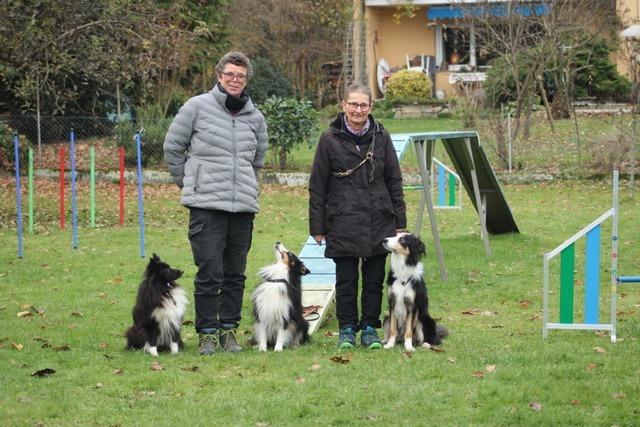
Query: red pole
[(61, 187), (121, 185)]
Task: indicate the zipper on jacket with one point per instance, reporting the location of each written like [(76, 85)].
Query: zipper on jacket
[(235, 163), (197, 179)]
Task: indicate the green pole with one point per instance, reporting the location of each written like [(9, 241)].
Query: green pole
[(452, 189), (567, 265), (92, 190), (30, 190)]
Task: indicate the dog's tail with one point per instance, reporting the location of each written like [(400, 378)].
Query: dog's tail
[(442, 331)]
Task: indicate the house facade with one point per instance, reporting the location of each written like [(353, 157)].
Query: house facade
[(437, 40)]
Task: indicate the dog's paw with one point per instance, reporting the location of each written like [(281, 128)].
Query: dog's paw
[(174, 347), (153, 351), (409, 348), (390, 344), (277, 348), (262, 348)]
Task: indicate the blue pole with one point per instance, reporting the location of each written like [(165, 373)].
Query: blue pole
[(441, 184), (16, 152), (140, 201), (74, 208)]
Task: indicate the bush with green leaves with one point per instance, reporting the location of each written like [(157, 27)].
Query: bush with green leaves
[(267, 81), (290, 122), (597, 76), (408, 87), (155, 127)]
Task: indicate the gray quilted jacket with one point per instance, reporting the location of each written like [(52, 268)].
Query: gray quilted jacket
[(215, 156)]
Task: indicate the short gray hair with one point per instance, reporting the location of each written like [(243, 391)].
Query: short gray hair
[(235, 58), (358, 88)]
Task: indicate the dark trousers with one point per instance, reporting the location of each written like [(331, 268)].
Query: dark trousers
[(347, 279), (220, 242)]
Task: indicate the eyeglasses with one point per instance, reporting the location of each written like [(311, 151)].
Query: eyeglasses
[(353, 106), (231, 75)]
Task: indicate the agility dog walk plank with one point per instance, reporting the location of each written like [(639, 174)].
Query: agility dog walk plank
[(318, 287)]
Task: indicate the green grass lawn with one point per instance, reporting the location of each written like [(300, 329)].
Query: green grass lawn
[(494, 369)]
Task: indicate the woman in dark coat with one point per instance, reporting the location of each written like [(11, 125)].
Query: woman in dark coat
[(355, 201)]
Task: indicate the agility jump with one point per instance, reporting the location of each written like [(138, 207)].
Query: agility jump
[(592, 234)]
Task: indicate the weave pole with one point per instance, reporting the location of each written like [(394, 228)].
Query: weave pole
[(16, 155), (592, 234), (74, 207), (138, 140), (121, 198), (31, 187), (92, 187), (61, 186)]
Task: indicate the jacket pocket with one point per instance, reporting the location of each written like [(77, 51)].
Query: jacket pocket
[(196, 179)]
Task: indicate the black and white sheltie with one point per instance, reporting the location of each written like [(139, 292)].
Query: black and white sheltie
[(277, 303), (409, 318), (159, 310)]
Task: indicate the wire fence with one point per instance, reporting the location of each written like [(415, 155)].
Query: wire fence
[(47, 135)]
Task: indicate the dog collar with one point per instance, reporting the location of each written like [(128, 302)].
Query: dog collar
[(286, 282)]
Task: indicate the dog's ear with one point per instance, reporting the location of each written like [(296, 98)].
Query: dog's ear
[(155, 258), (422, 250)]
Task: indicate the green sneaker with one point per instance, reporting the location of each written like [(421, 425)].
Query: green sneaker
[(347, 338), (369, 338)]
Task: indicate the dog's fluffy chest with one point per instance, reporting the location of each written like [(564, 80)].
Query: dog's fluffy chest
[(173, 308), (272, 303)]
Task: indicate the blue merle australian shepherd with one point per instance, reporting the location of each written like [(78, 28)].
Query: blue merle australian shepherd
[(277, 303), (409, 320)]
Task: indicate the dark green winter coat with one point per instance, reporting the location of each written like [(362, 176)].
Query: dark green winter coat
[(355, 212)]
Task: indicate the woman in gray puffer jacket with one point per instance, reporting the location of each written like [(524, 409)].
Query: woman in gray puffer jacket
[(355, 201), (214, 149)]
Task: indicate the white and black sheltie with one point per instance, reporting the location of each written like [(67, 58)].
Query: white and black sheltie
[(277, 303), (158, 311), (409, 320)]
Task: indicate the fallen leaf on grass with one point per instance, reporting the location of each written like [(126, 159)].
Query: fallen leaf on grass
[(575, 402), (17, 346), (340, 360), (524, 303), (108, 356), (472, 311), (156, 366), (62, 347), (451, 360), (117, 371), (24, 313), (592, 366), (300, 380), (619, 395), (330, 334), (103, 345), (490, 368), (191, 369), (407, 353), (534, 317), (43, 372), (436, 349), (478, 374), (187, 323), (599, 350), (536, 406), (99, 385), (315, 367), (76, 314), (115, 281)]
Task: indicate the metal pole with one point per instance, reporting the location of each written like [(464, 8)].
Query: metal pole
[(16, 152), (140, 195), (74, 207), (614, 256)]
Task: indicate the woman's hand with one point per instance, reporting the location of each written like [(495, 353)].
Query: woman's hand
[(318, 238)]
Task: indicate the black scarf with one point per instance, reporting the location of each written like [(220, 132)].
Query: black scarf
[(234, 103)]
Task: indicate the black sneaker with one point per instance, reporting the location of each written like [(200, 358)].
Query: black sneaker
[(209, 343), (347, 338), (228, 341), (369, 338)]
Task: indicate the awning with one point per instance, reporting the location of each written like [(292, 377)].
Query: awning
[(459, 12)]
